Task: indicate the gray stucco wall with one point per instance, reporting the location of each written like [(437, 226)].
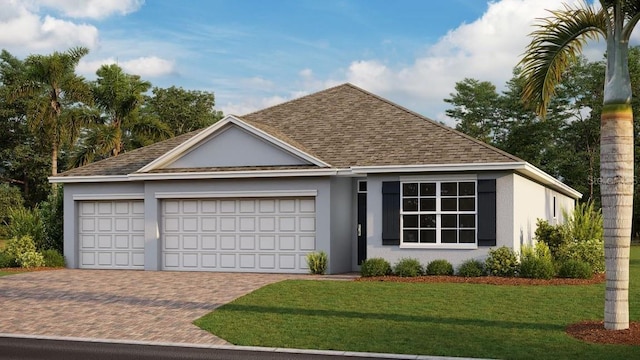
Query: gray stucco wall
[(340, 259)]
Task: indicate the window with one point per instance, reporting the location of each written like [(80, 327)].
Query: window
[(438, 213)]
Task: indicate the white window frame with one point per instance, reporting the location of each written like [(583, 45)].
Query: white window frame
[(438, 181)]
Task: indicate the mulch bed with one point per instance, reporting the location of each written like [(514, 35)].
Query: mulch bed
[(594, 332), (491, 280), (21, 270)]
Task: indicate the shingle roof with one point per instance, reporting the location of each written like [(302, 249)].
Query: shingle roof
[(346, 126), (343, 126)]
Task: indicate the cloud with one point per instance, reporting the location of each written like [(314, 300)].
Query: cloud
[(23, 31), (93, 9), (146, 67)]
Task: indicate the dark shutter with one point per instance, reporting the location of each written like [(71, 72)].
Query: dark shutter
[(391, 213), (487, 212)]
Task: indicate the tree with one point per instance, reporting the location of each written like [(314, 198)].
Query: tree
[(474, 106), (183, 110), (557, 40), (118, 97), (50, 83)]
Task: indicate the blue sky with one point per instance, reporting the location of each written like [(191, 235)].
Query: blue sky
[(253, 54)]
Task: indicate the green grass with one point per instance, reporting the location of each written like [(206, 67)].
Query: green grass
[(473, 320)]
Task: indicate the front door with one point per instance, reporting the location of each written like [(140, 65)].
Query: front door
[(362, 227)]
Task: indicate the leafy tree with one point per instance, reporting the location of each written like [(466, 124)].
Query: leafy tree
[(474, 106), (557, 40), (182, 110), (49, 83)]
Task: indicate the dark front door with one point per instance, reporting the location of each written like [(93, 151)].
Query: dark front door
[(362, 227)]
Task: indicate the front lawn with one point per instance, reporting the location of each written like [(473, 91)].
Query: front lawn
[(473, 320)]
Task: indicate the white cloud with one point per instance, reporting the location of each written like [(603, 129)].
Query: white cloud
[(23, 31), (144, 66), (94, 9)]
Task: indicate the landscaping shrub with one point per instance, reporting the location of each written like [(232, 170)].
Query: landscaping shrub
[(10, 198), (408, 267), (375, 267), (550, 235), (26, 222), (30, 259), (575, 269), (317, 262), (439, 267), (537, 268), (502, 262), (590, 251), (52, 258), (51, 213), (7, 260), (584, 223), (471, 268)]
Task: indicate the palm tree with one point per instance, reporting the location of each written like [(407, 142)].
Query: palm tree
[(50, 83), (557, 40), (118, 96)]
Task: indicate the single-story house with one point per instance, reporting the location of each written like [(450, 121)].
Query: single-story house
[(341, 171)]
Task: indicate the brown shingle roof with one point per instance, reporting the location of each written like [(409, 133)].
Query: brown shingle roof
[(346, 126), (343, 126)]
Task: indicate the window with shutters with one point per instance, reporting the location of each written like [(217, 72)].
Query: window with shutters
[(438, 214)]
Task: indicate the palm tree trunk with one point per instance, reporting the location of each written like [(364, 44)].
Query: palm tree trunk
[(616, 171), (54, 159)]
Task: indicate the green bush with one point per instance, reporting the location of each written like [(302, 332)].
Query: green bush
[(317, 262), (552, 236), (375, 267), (10, 198), (52, 258), (590, 251), (584, 223), (7, 260), (407, 267), (51, 213), (575, 269), (26, 222), (502, 262), (30, 259), (20, 245), (471, 268), (537, 268), (439, 267)]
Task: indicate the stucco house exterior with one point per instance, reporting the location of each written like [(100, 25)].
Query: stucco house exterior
[(341, 171)]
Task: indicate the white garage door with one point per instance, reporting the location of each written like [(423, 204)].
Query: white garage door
[(261, 235), (111, 234)]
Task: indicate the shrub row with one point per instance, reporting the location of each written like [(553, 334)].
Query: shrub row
[(21, 252), (534, 262)]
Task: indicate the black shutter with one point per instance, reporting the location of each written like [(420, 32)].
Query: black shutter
[(391, 213), (487, 212)]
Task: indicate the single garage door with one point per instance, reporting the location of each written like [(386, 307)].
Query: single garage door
[(259, 235), (111, 234)]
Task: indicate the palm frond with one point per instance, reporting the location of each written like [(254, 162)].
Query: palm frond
[(556, 42)]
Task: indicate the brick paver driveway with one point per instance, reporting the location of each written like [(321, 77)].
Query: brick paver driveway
[(156, 306)]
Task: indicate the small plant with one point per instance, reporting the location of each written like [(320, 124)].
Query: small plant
[(317, 262), (30, 259), (375, 267), (53, 258), (537, 268), (550, 235), (20, 245), (584, 223), (439, 267), (471, 268), (407, 267), (502, 262), (26, 222), (590, 251), (575, 269), (7, 260)]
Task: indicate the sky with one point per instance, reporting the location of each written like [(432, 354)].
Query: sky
[(257, 53)]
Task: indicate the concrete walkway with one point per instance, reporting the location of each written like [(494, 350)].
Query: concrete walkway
[(149, 306)]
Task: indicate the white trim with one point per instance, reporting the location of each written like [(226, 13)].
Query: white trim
[(82, 197), (88, 179), (236, 194), (232, 174), (439, 246), (181, 149)]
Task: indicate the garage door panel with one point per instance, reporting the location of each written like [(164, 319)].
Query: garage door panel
[(111, 234), (266, 234)]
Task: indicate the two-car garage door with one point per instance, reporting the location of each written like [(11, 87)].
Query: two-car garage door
[(226, 234), (230, 234)]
